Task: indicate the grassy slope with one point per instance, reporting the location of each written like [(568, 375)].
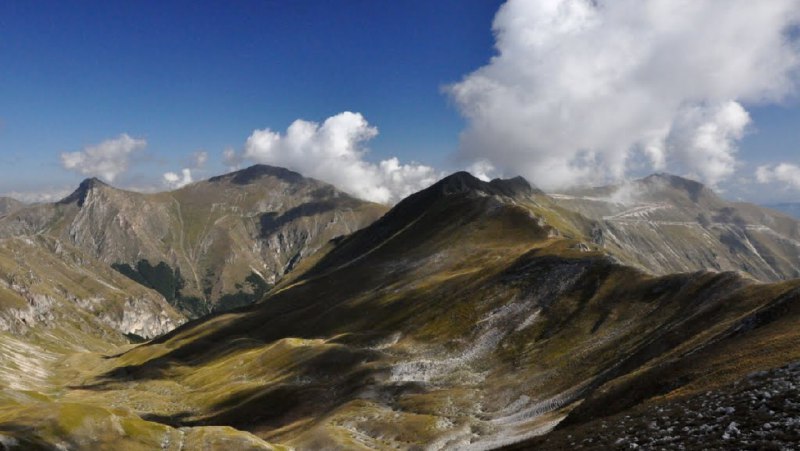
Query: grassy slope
[(45, 283)]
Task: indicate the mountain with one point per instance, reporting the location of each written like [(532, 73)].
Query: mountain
[(9, 205), (212, 245), (56, 302), (472, 315), (666, 224), (46, 284), (789, 208)]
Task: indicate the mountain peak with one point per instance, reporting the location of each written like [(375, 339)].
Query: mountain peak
[(93, 182), (513, 186), (79, 195), (694, 189), (458, 182), (249, 175), (463, 182)]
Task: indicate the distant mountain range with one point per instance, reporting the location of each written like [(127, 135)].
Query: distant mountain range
[(667, 224), (790, 208), (472, 315)]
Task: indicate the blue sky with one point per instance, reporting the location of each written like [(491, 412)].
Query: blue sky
[(192, 76), (203, 75)]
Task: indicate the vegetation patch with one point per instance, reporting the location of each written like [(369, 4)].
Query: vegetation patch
[(255, 290)]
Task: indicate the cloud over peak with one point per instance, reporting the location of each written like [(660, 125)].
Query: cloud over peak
[(106, 160), (174, 180), (334, 151), (581, 91)]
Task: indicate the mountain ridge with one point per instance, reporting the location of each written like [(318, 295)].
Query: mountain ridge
[(226, 236), (667, 224), (472, 315), (462, 318)]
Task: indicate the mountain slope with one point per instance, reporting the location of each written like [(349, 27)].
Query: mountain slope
[(666, 224), (56, 301), (9, 205), (221, 243), (46, 284), (472, 315)]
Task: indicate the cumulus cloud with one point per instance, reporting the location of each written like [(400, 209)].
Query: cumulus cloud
[(106, 160), (582, 90), (197, 162), (334, 151), (786, 173), (483, 170), (704, 140), (175, 181)]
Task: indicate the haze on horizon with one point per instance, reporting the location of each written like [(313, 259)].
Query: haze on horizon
[(383, 100)]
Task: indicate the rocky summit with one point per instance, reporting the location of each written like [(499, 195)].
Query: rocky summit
[(471, 315)]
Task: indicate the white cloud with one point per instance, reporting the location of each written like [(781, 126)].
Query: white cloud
[(704, 140), (786, 173), (581, 89), (483, 170), (106, 160), (174, 181), (334, 152), (199, 159), (232, 159)]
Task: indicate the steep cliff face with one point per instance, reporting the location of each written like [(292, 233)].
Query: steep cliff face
[(223, 240), (668, 224), (472, 315)]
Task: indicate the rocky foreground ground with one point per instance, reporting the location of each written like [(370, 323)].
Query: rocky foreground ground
[(760, 412)]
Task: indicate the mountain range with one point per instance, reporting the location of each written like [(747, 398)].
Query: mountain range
[(666, 224), (471, 315), (212, 245)]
